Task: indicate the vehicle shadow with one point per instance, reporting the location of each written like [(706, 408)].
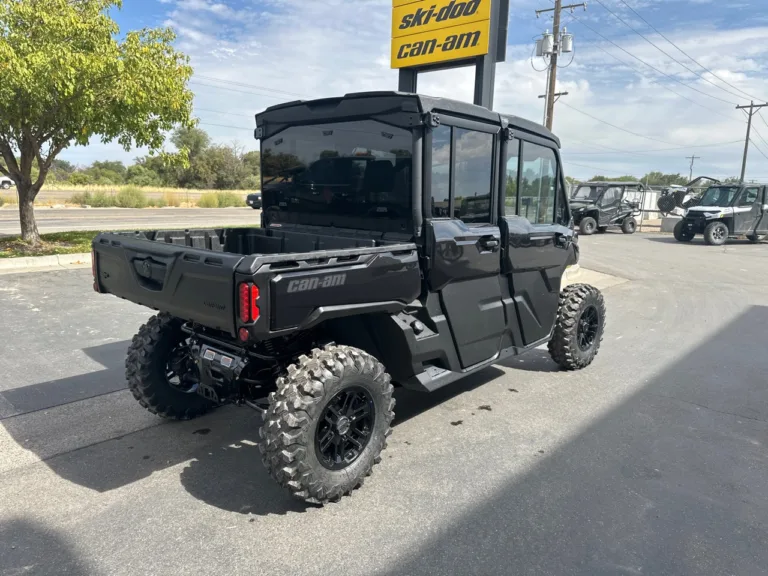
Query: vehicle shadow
[(698, 241), (672, 480), (27, 547)]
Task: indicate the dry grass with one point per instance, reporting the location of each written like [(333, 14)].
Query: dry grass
[(155, 191), (50, 244)]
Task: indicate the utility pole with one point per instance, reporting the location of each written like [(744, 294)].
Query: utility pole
[(553, 57), (692, 159), (753, 109), (557, 97)]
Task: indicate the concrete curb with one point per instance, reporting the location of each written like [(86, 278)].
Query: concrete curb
[(82, 260)]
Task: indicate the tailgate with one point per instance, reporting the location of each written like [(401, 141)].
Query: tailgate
[(189, 283)]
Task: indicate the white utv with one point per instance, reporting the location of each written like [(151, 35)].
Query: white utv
[(727, 211)]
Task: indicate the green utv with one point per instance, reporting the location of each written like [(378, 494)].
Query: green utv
[(405, 241)]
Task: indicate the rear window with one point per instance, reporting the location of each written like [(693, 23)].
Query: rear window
[(356, 169)]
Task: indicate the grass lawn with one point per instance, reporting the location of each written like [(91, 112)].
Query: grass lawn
[(58, 243)]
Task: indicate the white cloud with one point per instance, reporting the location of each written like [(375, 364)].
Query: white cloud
[(331, 47)]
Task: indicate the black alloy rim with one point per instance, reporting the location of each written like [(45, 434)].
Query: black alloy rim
[(345, 428), (718, 233), (181, 371), (590, 227), (586, 333)]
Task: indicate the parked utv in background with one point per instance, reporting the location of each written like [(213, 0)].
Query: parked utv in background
[(727, 211), (410, 266), (598, 206)]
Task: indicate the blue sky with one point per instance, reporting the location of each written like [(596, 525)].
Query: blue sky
[(249, 54)]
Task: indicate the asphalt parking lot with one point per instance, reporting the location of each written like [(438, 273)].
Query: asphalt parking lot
[(652, 461)]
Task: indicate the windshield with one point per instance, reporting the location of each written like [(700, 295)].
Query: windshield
[(350, 169), (719, 196), (588, 193)]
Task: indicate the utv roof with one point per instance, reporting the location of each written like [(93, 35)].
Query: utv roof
[(612, 183), (369, 104)]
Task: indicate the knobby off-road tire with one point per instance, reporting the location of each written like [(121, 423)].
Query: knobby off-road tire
[(588, 226), (580, 305), (296, 422), (716, 234), (629, 226), (147, 368)]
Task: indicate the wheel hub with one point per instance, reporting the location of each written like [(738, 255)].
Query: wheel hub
[(345, 428), (586, 333)]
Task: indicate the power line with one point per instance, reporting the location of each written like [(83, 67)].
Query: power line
[(644, 152), (620, 128), (655, 81), (222, 112), (691, 58), (226, 126), (649, 65), (620, 19), (598, 169), (235, 83), (758, 149), (228, 89), (760, 113)]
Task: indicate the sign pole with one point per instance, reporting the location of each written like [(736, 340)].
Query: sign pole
[(430, 35)]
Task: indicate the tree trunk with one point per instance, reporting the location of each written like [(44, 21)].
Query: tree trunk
[(29, 232)]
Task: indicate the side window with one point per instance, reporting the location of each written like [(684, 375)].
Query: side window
[(441, 171), (513, 161), (538, 184), (749, 197), (611, 196), (474, 173)]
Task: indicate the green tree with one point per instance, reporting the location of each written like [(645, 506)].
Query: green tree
[(140, 175), (252, 163), (67, 76)]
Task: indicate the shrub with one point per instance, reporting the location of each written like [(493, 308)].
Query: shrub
[(131, 197), (208, 200), (230, 199), (102, 200), (81, 198), (2, 201), (157, 203), (80, 179), (172, 199)]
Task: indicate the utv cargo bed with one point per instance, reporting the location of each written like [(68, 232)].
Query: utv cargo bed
[(193, 274)]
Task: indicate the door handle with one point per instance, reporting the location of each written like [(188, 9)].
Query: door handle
[(489, 243)]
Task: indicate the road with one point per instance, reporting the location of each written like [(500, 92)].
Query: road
[(66, 219), (652, 461)]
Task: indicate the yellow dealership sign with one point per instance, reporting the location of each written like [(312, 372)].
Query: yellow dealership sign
[(432, 31)]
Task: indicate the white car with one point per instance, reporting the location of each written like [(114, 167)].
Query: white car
[(5, 182)]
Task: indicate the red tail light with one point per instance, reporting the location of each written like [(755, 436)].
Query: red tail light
[(249, 309)]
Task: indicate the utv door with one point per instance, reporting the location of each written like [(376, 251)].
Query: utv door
[(537, 238), (747, 211), (464, 242), (762, 225), (609, 205)]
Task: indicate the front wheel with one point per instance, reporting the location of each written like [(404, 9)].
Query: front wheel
[(5, 185), (629, 226), (161, 372), (327, 423), (588, 226), (681, 234), (716, 234), (579, 327)]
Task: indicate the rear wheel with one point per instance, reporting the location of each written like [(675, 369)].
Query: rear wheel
[(327, 423), (161, 372), (588, 226), (5, 185), (579, 328), (629, 226), (716, 234)]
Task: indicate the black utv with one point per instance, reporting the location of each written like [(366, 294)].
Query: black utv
[(405, 241), (727, 211), (598, 206)]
